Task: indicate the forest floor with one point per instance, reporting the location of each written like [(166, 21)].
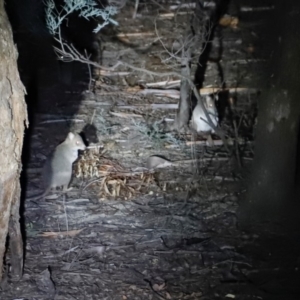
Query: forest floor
[(128, 232)]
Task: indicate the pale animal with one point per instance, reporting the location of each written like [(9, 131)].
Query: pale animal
[(57, 170), (199, 120)]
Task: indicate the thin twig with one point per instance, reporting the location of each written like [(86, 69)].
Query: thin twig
[(90, 71), (65, 212), (135, 9)]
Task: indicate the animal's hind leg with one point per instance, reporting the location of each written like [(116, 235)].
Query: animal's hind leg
[(66, 189), (210, 140)]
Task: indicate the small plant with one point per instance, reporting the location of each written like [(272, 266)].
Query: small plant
[(156, 135), (86, 8)]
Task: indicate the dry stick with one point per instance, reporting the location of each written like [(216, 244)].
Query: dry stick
[(171, 15), (236, 128), (181, 6), (66, 215), (216, 142), (109, 73), (93, 116), (125, 115), (236, 144), (135, 9), (134, 34), (163, 83), (178, 163), (150, 106), (157, 92), (89, 68), (62, 120), (175, 94), (262, 8)]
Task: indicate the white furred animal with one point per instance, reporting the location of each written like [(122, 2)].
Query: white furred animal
[(57, 170), (199, 120)]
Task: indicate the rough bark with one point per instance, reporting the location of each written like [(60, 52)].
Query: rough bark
[(13, 117), (272, 181)]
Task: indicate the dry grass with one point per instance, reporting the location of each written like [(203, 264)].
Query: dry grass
[(110, 177)]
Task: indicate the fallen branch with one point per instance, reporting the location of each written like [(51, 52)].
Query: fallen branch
[(172, 15), (175, 94), (62, 120), (164, 84), (157, 162), (125, 115), (216, 143), (150, 106), (135, 34)]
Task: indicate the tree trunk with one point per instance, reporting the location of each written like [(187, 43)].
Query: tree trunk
[(13, 118), (271, 190)]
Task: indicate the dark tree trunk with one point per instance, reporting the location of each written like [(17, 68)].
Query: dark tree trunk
[(271, 191)]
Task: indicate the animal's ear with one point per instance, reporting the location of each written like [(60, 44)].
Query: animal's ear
[(71, 136)]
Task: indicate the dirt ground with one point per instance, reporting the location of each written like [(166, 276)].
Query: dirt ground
[(127, 232)]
